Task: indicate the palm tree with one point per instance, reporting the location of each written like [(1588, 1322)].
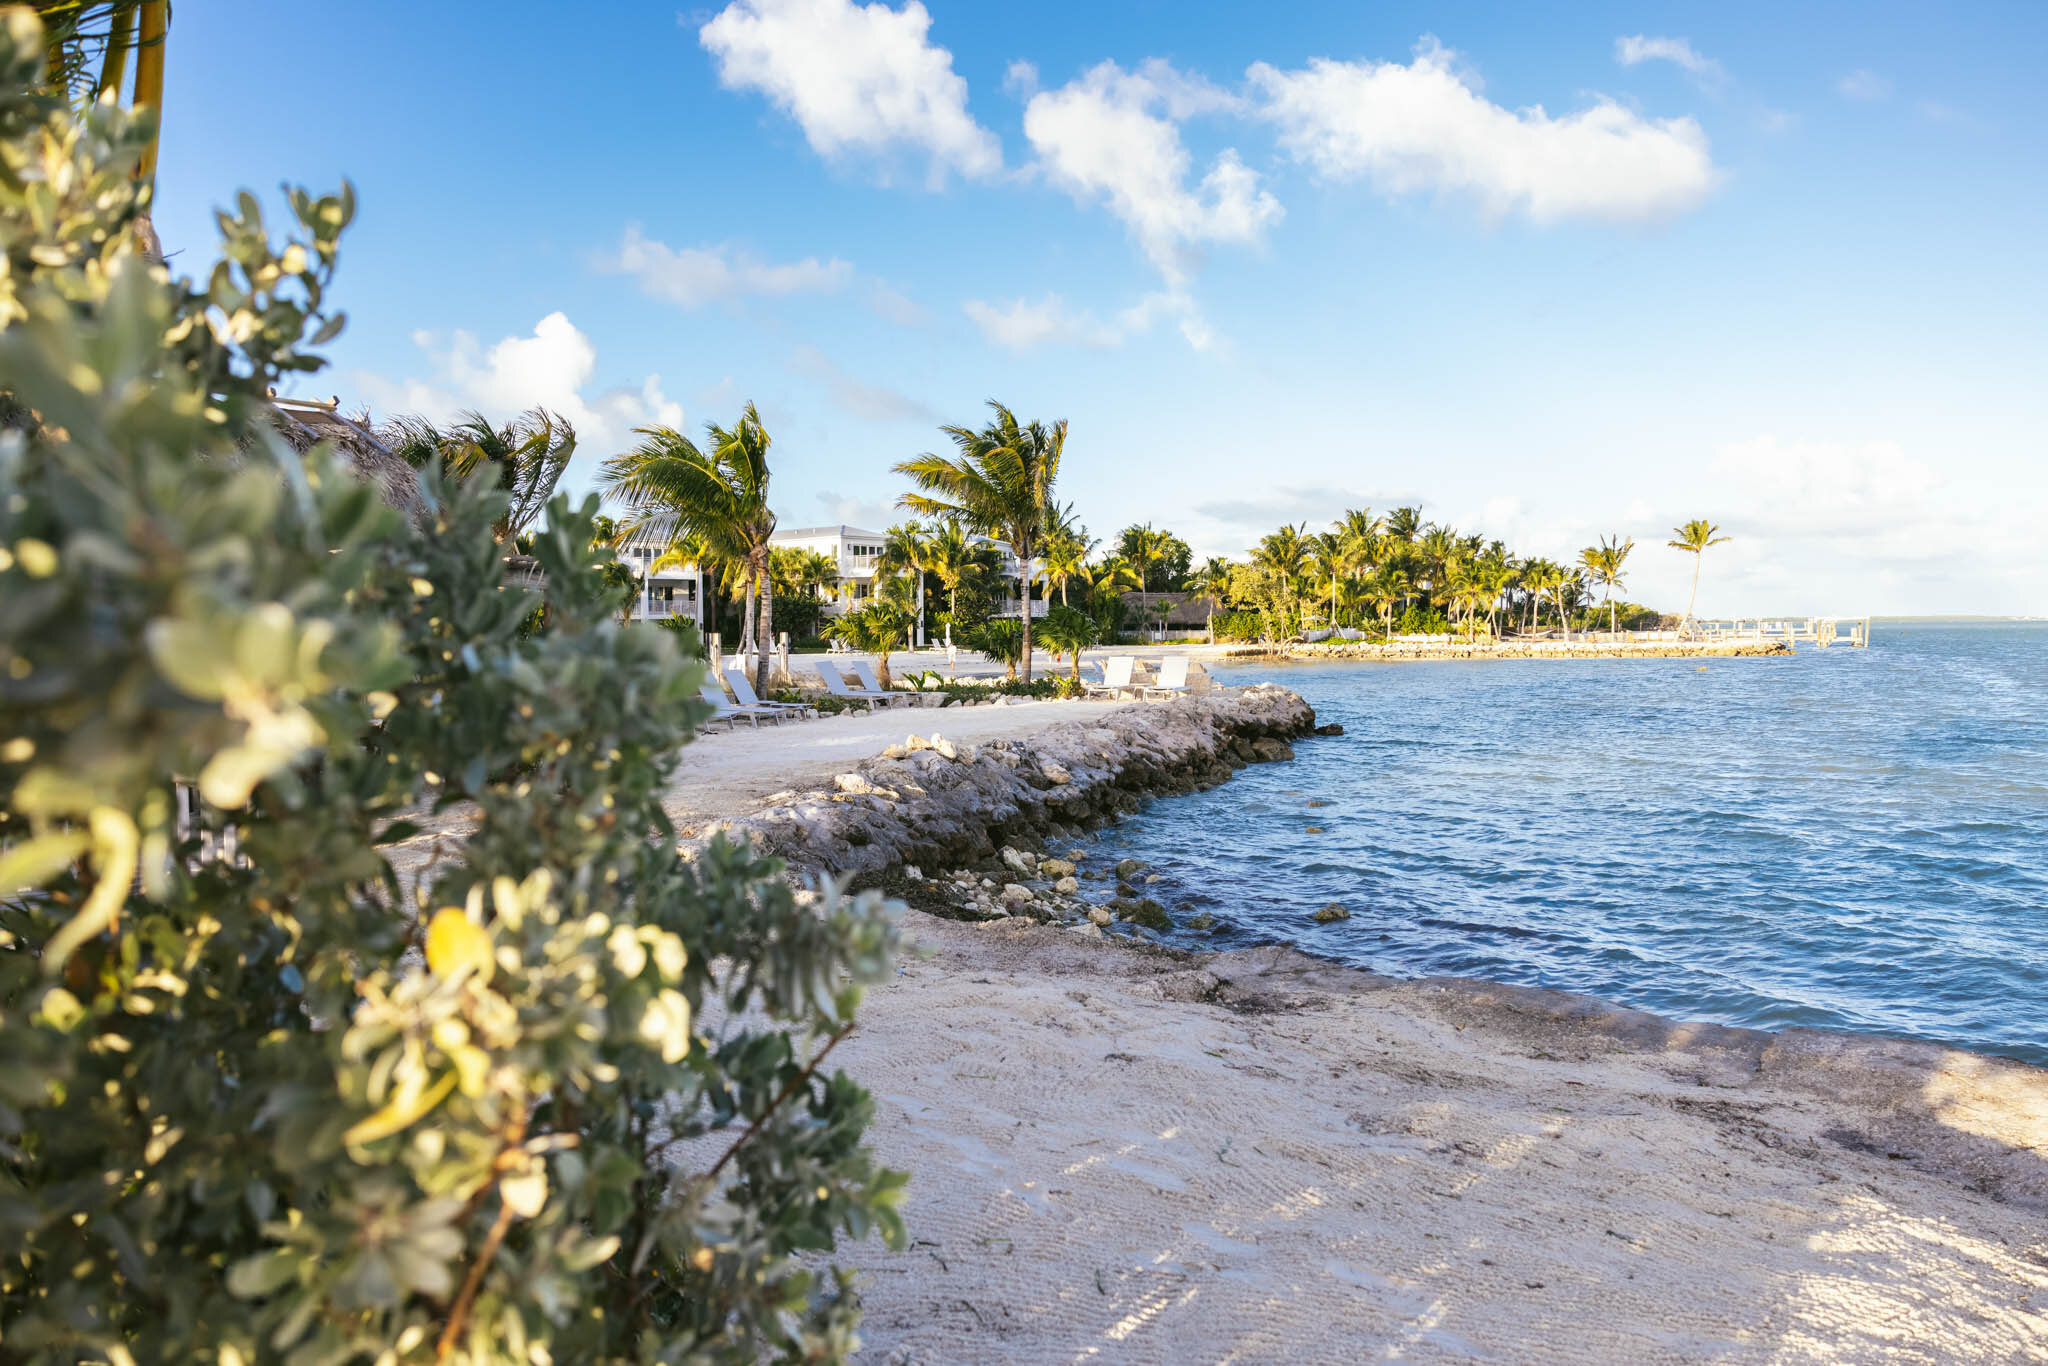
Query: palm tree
[(1141, 548), (717, 496), (1212, 580), (1568, 588), (74, 32), (526, 456), (1538, 578), (1437, 551), (1064, 558), (1387, 587), (879, 629), (1404, 524), (1283, 553), (1326, 552), (1695, 536), (904, 556), (1070, 633), (1001, 483), (1604, 563)]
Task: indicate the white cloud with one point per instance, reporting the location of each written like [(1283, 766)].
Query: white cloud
[(550, 368), (1026, 324), (872, 402), (1114, 136), (1425, 126), (695, 276), (1863, 523), (859, 79), (1634, 50), (1863, 85), (897, 307)]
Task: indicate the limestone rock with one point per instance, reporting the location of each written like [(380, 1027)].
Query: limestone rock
[(1129, 868), (1144, 911), (1055, 867), (1272, 751), (1055, 774), (1099, 915), (1332, 912), (1067, 886), (1019, 862)]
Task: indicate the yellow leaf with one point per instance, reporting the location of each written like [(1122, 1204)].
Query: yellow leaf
[(455, 945), (402, 1111)]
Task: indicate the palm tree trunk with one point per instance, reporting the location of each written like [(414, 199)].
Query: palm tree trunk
[(764, 624), (1024, 587), (1694, 597)]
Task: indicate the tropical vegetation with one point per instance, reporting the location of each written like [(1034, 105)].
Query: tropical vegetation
[(552, 1094)]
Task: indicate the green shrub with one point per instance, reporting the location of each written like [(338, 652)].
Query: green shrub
[(558, 1098), (1239, 626), (1000, 641)]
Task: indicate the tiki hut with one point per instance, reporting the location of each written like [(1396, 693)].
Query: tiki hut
[(305, 422)]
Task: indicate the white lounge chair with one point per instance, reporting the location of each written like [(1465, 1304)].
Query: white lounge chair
[(725, 711), (1116, 675), (1173, 677), (744, 694), (865, 672), (836, 685)]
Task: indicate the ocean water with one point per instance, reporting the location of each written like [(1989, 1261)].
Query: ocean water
[(1850, 839)]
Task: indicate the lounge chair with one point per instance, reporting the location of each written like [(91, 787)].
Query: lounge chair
[(1116, 675), (1173, 677), (725, 711), (836, 685), (743, 693), (865, 672)]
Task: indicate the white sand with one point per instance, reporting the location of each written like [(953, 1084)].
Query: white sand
[(736, 772), (1123, 1156)]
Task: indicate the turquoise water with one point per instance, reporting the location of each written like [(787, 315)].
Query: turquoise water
[(1851, 839)]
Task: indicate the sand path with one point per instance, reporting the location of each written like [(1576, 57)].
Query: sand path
[(736, 772), (1122, 1155)]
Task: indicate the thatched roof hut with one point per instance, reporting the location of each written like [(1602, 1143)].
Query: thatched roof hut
[(305, 422)]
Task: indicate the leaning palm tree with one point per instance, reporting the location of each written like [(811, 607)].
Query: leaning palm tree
[(717, 495), (525, 457), (1001, 483), (1603, 562), (1695, 536)]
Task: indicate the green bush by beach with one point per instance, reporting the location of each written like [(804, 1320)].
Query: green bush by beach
[(262, 1098)]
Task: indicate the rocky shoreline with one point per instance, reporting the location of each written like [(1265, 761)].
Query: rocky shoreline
[(987, 831), (1368, 650)]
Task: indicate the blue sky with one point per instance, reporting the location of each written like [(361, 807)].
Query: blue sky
[(1549, 276)]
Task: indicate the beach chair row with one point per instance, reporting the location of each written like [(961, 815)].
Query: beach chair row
[(744, 704), (737, 701), (1117, 672)]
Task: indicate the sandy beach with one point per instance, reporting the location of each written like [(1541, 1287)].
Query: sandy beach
[(1134, 1155)]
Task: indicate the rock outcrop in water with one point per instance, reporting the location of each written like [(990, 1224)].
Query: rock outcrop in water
[(934, 803)]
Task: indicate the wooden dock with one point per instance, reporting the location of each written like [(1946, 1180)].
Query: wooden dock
[(1820, 632)]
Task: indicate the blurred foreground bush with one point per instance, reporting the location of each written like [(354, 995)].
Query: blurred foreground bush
[(551, 1098)]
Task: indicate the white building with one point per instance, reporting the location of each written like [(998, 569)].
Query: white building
[(674, 591), (852, 549), (678, 591)]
